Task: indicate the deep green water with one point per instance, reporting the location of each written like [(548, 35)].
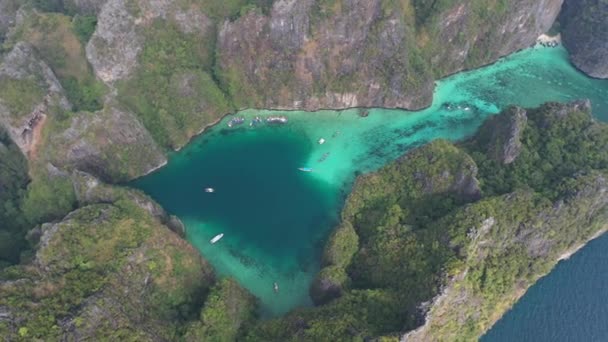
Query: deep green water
[(276, 218)]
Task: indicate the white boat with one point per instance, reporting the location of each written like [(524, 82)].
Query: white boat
[(209, 190), (305, 169), (217, 238), (276, 287), (321, 141), (277, 119)]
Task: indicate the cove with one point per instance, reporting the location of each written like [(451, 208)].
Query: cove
[(276, 218)]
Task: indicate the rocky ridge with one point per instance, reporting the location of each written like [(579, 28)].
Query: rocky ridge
[(585, 35), (350, 53), (420, 250), (111, 279)]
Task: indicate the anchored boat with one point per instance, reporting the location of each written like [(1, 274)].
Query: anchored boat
[(235, 122), (276, 119), (217, 238), (305, 169), (209, 190)]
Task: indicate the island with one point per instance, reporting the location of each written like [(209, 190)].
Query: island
[(436, 245)]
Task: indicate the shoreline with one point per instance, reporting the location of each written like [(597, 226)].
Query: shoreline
[(546, 39), (518, 295), (567, 254), (321, 109)]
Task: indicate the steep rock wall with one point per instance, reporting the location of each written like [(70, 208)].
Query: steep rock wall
[(347, 53), (585, 33)]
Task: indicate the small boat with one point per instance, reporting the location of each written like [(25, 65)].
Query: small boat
[(209, 190), (277, 119), (305, 169), (235, 122), (276, 287), (256, 121), (217, 238), (321, 141)]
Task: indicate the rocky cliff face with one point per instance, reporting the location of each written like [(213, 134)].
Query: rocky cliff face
[(505, 134), (582, 212), (87, 7), (179, 67), (348, 53), (468, 34), (29, 93), (110, 143), (106, 271), (8, 9), (585, 35), (114, 48)]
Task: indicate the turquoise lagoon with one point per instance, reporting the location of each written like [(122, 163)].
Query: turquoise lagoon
[(275, 218)]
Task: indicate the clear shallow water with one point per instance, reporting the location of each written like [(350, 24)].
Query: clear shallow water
[(276, 218)]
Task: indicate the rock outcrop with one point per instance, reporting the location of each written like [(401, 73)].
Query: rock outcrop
[(86, 7), (349, 53), (228, 311), (111, 144), (582, 213), (339, 251), (119, 36), (8, 10), (106, 271), (29, 92), (585, 35), (89, 190), (469, 34), (503, 134)]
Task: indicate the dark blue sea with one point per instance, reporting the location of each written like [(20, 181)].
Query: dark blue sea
[(569, 304)]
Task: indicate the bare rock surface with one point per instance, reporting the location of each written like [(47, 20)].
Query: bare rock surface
[(585, 35), (28, 94)]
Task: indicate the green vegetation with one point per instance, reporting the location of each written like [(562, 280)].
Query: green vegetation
[(19, 96), (48, 198), (232, 9), (421, 223), (553, 148), (339, 251), (172, 93), (60, 43), (84, 26), (13, 182), (228, 312), (81, 276)]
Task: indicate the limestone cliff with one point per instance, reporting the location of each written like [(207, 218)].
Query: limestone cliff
[(178, 67), (348, 53), (110, 144), (29, 94), (585, 33), (106, 271), (8, 10), (112, 270), (35, 108), (464, 309), (158, 54), (87, 7)]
